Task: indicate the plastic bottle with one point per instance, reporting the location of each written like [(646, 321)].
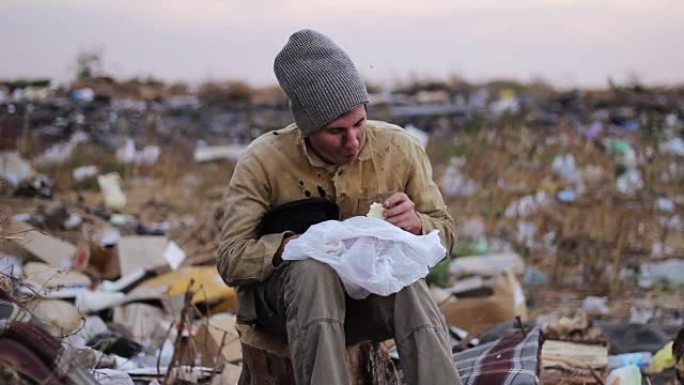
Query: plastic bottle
[(626, 375), (639, 359)]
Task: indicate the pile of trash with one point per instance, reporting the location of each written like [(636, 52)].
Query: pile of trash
[(126, 307), (569, 209)]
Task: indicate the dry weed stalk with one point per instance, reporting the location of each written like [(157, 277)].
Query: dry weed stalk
[(178, 345)]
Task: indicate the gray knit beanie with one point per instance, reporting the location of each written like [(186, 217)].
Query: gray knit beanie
[(319, 79)]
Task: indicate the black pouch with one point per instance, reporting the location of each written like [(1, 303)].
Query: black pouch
[(298, 216)]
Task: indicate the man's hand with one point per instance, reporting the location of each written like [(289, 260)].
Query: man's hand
[(278, 257), (400, 211)]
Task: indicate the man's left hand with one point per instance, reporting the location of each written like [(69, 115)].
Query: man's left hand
[(400, 211)]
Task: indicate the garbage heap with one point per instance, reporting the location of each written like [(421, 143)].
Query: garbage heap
[(568, 266)]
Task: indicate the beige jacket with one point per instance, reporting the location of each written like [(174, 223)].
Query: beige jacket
[(278, 168)]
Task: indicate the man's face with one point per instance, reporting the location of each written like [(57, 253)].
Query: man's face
[(339, 142)]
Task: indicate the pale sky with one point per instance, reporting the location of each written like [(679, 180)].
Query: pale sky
[(566, 42)]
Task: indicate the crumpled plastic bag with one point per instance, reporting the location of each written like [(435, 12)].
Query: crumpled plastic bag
[(369, 255)]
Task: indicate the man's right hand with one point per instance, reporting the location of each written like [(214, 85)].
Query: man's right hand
[(277, 258)]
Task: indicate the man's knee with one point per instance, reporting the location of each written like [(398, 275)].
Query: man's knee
[(416, 292), (313, 276), (313, 291), (416, 306)]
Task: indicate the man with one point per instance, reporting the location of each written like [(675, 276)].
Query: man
[(333, 152)]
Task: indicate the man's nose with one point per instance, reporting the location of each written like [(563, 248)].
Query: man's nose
[(351, 140)]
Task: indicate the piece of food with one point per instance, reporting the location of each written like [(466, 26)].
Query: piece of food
[(376, 211)]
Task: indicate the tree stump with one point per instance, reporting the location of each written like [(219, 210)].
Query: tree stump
[(368, 363)]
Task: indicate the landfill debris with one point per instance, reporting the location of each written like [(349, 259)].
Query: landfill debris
[(420, 135), (678, 353), (626, 375), (583, 362), (11, 266), (61, 318), (567, 195), (564, 167), (630, 182), (112, 377), (229, 375), (114, 343), (528, 205), (674, 146), (40, 275), (576, 327), (150, 253), (56, 154), (669, 272), (142, 319), (204, 281), (535, 277), (482, 364), (94, 301), (83, 95), (84, 172), (487, 265), (28, 348), (111, 186), (209, 153), (124, 281), (639, 359), (13, 169), (582, 186), (663, 359), (218, 338), (465, 247), (454, 183), (664, 204), (627, 337), (596, 305), (503, 301), (32, 243), (641, 311), (128, 154)]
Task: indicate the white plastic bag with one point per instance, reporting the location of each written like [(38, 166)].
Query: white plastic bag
[(369, 255)]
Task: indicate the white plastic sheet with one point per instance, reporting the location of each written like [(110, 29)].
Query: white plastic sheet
[(369, 255)]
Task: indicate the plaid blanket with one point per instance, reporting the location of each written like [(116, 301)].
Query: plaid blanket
[(512, 360)]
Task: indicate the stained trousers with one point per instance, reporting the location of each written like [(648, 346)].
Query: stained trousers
[(306, 302)]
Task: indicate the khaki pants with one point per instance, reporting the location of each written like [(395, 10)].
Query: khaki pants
[(305, 301)]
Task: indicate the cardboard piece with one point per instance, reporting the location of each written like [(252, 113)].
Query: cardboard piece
[(569, 361), (209, 336), (43, 276), (142, 320), (151, 253), (476, 314), (229, 376), (207, 284), (27, 242), (487, 265)]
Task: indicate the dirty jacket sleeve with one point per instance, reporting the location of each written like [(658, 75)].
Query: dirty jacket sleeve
[(430, 205), (242, 257)]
